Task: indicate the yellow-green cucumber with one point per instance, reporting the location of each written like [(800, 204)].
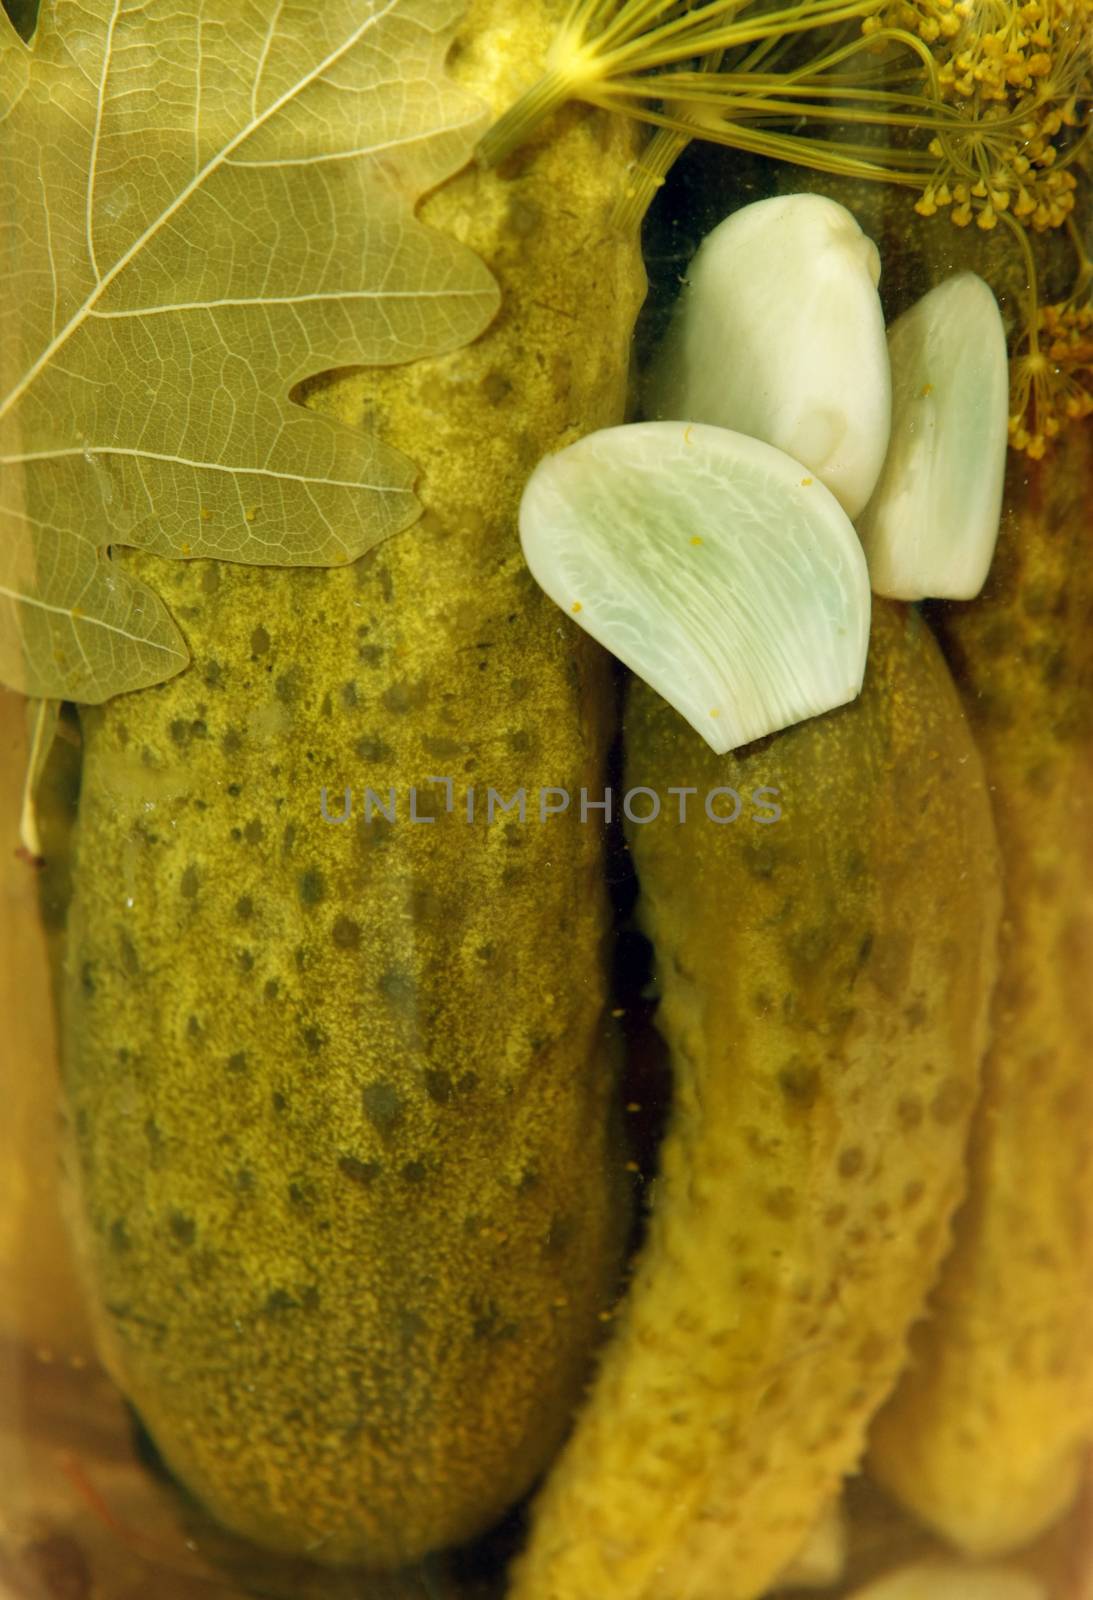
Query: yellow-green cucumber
[(349, 1202), (824, 981), (986, 1435)]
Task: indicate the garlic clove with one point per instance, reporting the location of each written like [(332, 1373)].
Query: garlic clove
[(932, 522), (952, 1580), (716, 567), (779, 333)]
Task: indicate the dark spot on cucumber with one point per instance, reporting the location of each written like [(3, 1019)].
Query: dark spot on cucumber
[(915, 1014), (495, 388), (438, 1085), (183, 1229), (357, 1171), (188, 885), (909, 1112), (254, 832), (855, 864), (349, 695), (311, 887), (799, 1083), (259, 641), (371, 748), (287, 686), (404, 696), (382, 1105), (781, 1203), (851, 1162), (237, 1061), (810, 945), (279, 1301), (425, 905), (244, 908), (414, 1172), (346, 933), (760, 860), (232, 742), (440, 745), (120, 1241), (278, 1101), (373, 834)]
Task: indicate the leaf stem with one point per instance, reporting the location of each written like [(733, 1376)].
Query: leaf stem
[(553, 89)]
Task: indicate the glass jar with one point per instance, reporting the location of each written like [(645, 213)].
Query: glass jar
[(425, 1175)]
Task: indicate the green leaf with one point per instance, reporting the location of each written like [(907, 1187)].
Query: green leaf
[(203, 202)]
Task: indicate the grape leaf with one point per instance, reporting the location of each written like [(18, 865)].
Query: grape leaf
[(203, 202)]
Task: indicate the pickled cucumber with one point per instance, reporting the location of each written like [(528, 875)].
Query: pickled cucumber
[(350, 1205), (985, 1437), (824, 981)]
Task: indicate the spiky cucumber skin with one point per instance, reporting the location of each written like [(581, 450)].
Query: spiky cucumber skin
[(349, 1201), (985, 1436), (824, 982)]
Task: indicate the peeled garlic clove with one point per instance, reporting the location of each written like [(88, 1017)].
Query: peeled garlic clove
[(780, 334), (716, 567), (949, 1580), (931, 525)]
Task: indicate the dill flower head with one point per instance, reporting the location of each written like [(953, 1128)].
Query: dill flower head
[(1020, 78), (1052, 382), (987, 103)]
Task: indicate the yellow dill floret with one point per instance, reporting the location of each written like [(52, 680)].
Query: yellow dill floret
[(1052, 381), (1020, 79)]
